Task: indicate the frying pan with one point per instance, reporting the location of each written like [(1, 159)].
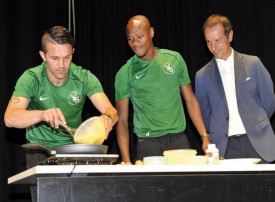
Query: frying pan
[(91, 131), (70, 149), (82, 149)]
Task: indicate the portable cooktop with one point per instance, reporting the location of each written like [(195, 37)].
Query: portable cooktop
[(80, 159)]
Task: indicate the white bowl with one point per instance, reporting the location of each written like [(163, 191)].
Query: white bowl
[(176, 156), (195, 160), (155, 160), (185, 152)]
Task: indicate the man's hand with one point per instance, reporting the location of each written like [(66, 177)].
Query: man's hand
[(205, 143), (108, 121), (53, 116)]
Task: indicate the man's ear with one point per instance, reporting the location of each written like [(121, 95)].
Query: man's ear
[(152, 32), (230, 37), (42, 54)]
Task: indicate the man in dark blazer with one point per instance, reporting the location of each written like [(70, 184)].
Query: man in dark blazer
[(236, 95)]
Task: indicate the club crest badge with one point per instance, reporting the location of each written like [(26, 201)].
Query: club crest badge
[(168, 68), (74, 98)]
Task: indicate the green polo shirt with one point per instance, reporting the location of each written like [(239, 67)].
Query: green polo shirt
[(154, 89), (69, 97)]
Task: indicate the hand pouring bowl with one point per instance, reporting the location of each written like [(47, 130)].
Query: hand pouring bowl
[(91, 131), (88, 137)]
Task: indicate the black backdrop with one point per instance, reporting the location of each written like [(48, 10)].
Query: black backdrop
[(101, 47)]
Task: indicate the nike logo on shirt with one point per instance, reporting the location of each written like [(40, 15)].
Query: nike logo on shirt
[(43, 98), (138, 76)]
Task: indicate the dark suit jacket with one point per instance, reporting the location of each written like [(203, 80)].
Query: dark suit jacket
[(255, 99)]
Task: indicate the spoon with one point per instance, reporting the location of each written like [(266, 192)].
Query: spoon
[(69, 129)]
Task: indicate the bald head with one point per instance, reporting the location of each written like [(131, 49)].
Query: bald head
[(138, 21), (139, 34)]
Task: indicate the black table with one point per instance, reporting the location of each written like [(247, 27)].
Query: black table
[(151, 183)]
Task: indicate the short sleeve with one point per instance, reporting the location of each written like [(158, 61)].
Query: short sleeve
[(92, 84), (183, 71), (26, 86), (122, 87)]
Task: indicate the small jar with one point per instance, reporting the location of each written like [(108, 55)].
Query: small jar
[(212, 153)]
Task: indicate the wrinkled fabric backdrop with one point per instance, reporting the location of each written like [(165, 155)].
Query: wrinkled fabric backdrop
[(101, 47)]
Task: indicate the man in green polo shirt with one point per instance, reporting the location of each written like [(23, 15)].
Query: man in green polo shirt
[(54, 92), (153, 80)]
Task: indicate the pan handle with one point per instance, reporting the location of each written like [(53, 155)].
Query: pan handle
[(38, 146)]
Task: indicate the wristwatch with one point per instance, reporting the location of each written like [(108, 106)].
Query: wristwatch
[(205, 135)]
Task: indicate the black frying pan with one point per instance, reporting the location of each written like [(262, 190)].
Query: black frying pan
[(82, 149), (70, 149)]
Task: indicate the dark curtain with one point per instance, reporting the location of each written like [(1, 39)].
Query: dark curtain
[(101, 47)]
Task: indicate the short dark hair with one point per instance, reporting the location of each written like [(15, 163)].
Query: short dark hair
[(218, 19), (58, 35)]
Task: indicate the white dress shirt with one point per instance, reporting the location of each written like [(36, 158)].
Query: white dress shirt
[(226, 68)]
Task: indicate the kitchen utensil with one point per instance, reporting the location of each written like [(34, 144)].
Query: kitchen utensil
[(80, 159), (91, 131), (155, 160), (69, 129), (70, 149), (176, 156), (82, 149), (39, 147), (194, 160), (185, 152)]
